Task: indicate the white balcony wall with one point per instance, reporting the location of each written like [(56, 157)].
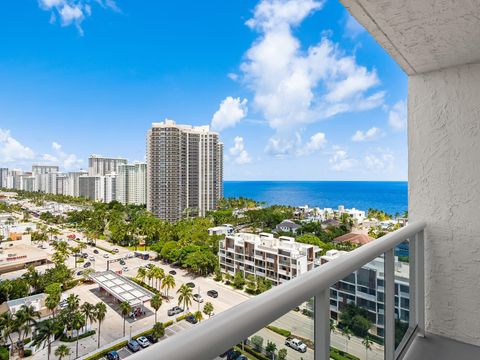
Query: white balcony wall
[(444, 190)]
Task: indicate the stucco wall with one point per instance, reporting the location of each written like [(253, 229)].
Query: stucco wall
[(444, 190)]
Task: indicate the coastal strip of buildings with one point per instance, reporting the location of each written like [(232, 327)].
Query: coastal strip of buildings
[(183, 175)]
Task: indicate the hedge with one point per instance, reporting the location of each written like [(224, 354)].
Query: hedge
[(279, 331), (336, 354), (27, 353), (168, 323), (4, 355), (102, 353), (182, 317), (252, 352), (102, 248), (66, 338), (146, 286)]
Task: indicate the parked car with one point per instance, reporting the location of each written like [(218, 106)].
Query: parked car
[(85, 255), (295, 344), (212, 293), (91, 258), (133, 345), (143, 341), (95, 251), (125, 268), (87, 264), (191, 285), (113, 355), (106, 256), (172, 272), (115, 250), (122, 262), (174, 311), (191, 319), (233, 355), (198, 298), (80, 273), (152, 339)]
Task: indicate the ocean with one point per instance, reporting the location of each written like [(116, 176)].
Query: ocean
[(389, 196)]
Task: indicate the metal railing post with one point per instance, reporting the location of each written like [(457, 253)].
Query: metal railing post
[(412, 254), (322, 325), (389, 305), (420, 281)]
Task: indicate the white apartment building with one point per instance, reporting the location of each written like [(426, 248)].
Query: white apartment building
[(92, 187), (3, 177), (73, 182), (366, 289), (110, 187), (100, 166), (44, 169), (132, 183), (276, 259), (185, 173)]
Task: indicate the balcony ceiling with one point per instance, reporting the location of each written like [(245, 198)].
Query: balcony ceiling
[(423, 35)]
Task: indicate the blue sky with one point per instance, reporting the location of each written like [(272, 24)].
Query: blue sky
[(297, 89)]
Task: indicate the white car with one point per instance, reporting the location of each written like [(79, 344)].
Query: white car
[(198, 298), (125, 268), (106, 256), (143, 341), (92, 258)]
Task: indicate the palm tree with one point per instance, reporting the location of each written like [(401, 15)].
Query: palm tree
[(73, 302), (26, 317), (44, 332), (62, 351), (158, 274), (158, 330), (32, 277), (88, 310), (78, 322), (7, 327), (348, 334), (156, 302), (141, 274), (168, 283), (150, 274), (184, 296), (198, 315), (367, 342), (125, 308), (101, 310), (51, 302)]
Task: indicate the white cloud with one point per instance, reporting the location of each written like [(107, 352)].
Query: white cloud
[(230, 112), (383, 160), (293, 87), (341, 161), (232, 76), (317, 142), (12, 150), (59, 157), (72, 12), (370, 134), (352, 27), (397, 117), (56, 146), (239, 153)]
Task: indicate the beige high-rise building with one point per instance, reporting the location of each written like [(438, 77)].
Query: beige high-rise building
[(101, 166), (184, 170), (132, 183)]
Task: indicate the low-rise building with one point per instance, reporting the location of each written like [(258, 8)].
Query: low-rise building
[(221, 230), (288, 226), (276, 259), (366, 289)]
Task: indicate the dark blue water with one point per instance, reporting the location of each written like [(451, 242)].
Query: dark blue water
[(389, 196)]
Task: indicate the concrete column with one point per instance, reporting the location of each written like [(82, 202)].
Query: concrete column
[(444, 190)]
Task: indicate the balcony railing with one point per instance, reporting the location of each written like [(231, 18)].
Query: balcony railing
[(212, 337)]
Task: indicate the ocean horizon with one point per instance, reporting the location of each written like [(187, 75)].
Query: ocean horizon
[(389, 196)]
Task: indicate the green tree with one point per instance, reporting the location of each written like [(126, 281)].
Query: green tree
[(367, 342), (158, 330), (168, 283), (282, 354), (7, 327), (198, 315), (155, 303), (125, 309), (238, 280), (62, 351), (89, 312), (185, 296), (78, 322), (270, 349), (141, 274), (45, 331), (208, 309), (101, 312), (345, 331), (257, 342)]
